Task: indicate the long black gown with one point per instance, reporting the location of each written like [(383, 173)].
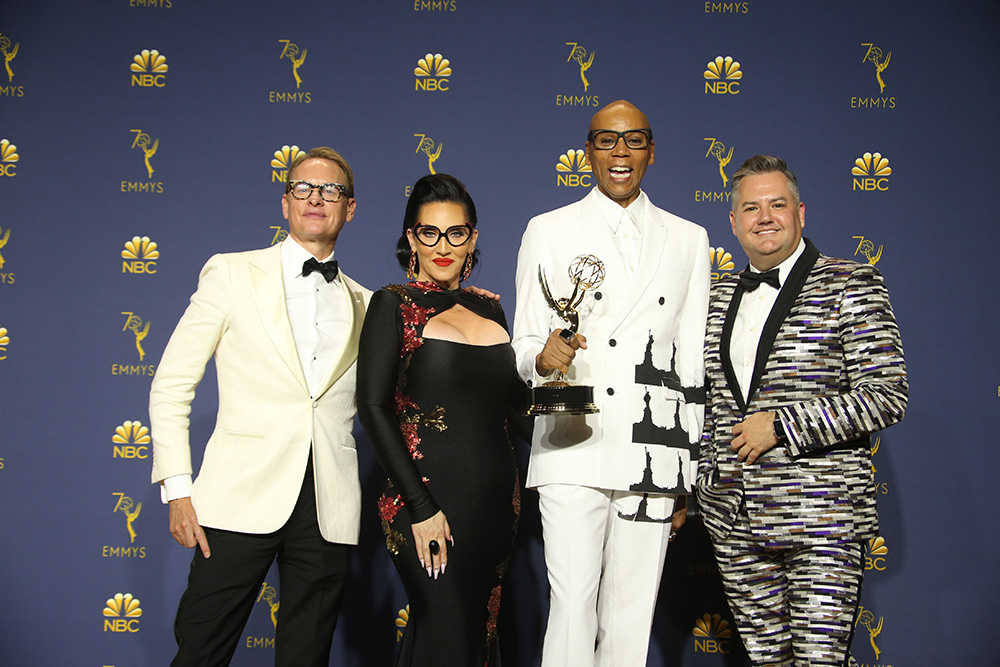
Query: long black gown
[(435, 412)]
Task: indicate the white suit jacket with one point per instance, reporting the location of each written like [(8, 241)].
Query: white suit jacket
[(644, 354), (256, 458)]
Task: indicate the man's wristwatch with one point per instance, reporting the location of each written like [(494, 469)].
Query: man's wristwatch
[(779, 431)]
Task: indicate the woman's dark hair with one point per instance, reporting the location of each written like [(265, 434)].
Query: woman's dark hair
[(431, 189)]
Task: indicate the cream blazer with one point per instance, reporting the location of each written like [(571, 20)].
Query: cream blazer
[(255, 460)]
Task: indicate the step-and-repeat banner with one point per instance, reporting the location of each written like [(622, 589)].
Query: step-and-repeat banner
[(139, 137)]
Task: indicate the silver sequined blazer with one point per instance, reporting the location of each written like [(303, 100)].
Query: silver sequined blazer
[(830, 363)]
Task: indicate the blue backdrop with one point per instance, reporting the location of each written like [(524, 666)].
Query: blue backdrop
[(139, 137)]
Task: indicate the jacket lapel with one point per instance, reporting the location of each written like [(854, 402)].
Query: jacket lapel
[(782, 306), (654, 239), (724, 342), (598, 235), (353, 301), (268, 294)]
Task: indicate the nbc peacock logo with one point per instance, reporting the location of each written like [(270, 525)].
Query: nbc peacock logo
[(149, 69), (281, 160), (573, 170), (131, 441), (873, 170), (122, 613), (140, 255), (402, 618), (723, 76), (875, 553), (432, 72), (722, 263), (712, 634), (8, 158)]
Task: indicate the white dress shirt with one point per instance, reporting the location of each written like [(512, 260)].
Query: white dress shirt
[(626, 228), (755, 307), (317, 313)]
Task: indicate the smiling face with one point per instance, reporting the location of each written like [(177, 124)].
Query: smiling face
[(619, 171), (314, 222), (767, 219), (441, 263)]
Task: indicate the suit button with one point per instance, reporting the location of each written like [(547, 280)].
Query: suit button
[(611, 391), (661, 300), (612, 342), (598, 296)]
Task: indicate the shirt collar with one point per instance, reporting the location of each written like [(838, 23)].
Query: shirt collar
[(293, 256), (786, 267), (611, 211)]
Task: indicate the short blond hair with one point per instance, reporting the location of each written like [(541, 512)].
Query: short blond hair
[(326, 153)]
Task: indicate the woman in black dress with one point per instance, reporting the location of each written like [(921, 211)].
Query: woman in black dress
[(435, 378)]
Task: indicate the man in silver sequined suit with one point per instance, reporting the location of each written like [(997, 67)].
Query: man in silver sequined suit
[(802, 367)]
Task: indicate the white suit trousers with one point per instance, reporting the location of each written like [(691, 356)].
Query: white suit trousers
[(604, 551)]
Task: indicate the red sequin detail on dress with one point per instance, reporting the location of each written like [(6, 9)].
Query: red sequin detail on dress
[(517, 496), (389, 507), (494, 608)]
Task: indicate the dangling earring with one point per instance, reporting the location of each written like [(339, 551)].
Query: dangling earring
[(467, 269), (411, 270)]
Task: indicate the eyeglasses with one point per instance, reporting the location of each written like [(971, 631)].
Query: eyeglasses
[(605, 140), (328, 191), (429, 236)]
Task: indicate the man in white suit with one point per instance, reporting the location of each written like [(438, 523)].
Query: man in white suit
[(612, 485), (279, 478)]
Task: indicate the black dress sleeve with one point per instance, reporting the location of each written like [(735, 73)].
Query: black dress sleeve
[(518, 422), (378, 375)]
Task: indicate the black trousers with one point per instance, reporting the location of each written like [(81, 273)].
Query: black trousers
[(222, 590)]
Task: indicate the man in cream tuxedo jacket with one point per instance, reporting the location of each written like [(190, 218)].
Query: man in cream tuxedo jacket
[(279, 478), (608, 482)]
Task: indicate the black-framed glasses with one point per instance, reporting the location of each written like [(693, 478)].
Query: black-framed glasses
[(456, 236), (328, 191), (605, 140)]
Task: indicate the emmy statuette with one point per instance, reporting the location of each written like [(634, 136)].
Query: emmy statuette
[(559, 397)]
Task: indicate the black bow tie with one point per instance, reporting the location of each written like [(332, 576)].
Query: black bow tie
[(328, 269), (752, 280)]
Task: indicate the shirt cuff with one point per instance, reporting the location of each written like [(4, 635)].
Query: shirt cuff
[(538, 380), (178, 486)]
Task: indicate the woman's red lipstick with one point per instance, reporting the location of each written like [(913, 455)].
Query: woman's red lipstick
[(443, 261)]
